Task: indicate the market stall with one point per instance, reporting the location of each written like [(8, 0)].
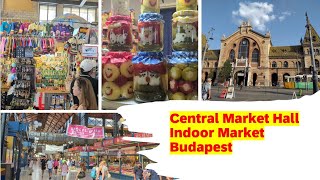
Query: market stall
[(40, 59), (149, 51)]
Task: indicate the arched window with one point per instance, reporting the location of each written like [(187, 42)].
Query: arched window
[(299, 64), (274, 64), (317, 52), (243, 49), (232, 55), (317, 63), (285, 64), (255, 56)]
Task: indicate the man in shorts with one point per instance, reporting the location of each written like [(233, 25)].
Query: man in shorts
[(43, 165), (50, 167)]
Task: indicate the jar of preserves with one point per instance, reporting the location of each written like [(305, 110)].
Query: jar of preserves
[(117, 76), (119, 35), (186, 5), (150, 28), (120, 7), (150, 80), (185, 31), (183, 75), (150, 6)]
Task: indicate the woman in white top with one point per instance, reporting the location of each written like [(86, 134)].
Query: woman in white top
[(103, 172)]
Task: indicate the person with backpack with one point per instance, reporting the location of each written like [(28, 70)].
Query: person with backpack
[(206, 89), (82, 171), (93, 173), (137, 171), (103, 172)]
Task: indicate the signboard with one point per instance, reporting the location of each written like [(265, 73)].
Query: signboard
[(84, 132), (142, 135), (107, 142), (85, 154), (230, 93), (119, 140), (223, 93), (97, 144), (89, 51)]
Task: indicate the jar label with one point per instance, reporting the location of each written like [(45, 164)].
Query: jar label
[(150, 33)]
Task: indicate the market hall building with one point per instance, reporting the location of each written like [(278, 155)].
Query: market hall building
[(256, 62)]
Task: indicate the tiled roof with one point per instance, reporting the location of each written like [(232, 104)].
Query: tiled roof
[(212, 54), (281, 52)]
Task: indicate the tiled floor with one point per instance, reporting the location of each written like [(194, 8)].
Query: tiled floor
[(37, 174)]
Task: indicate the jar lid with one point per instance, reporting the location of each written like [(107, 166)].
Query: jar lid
[(183, 57), (116, 57), (185, 13), (118, 18), (145, 17), (148, 58)]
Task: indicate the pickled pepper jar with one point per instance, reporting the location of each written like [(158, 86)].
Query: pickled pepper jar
[(119, 35), (117, 76), (150, 80), (183, 75), (150, 6), (120, 7), (150, 28), (185, 31), (186, 5)]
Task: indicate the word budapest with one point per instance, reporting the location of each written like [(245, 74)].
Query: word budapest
[(213, 132)]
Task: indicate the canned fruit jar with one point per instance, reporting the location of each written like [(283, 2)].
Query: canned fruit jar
[(117, 75), (119, 35), (150, 28), (186, 5), (150, 6), (150, 77), (120, 7), (183, 76), (185, 31)]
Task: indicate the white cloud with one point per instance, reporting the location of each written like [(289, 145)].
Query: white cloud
[(258, 13), (284, 15)]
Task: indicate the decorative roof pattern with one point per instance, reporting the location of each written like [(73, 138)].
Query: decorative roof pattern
[(314, 35), (212, 54), (283, 52)]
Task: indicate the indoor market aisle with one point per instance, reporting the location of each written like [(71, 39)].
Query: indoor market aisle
[(36, 175)]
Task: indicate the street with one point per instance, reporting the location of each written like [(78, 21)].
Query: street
[(258, 93)]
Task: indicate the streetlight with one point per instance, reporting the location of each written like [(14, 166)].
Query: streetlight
[(209, 37), (314, 72)]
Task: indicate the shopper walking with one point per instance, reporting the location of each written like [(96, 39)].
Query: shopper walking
[(64, 169), (206, 89), (87, 70), (138, 171), (30, 166), (83, 90), (50, 167), (82, 171), (56, 166), (103, 172), (43, 165)]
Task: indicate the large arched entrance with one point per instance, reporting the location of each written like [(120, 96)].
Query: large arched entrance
[(241, 78), (254, 79), (284, 76), (274, 79)]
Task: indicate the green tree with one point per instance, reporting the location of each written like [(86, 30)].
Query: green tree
[(225, 71)]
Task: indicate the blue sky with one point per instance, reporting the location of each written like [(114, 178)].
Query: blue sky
[(285, 19)]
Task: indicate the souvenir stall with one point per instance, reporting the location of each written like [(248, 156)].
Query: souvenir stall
[(39, 60), (140, 63)]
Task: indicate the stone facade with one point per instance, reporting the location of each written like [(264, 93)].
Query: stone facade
[(267, 65)]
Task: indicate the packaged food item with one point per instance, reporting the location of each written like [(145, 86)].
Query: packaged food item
[(117, 76), (120, 7), (150, 82), (186, 5), (185, 31), (150, 27), (183, 75), (150, 6), (119, 35)]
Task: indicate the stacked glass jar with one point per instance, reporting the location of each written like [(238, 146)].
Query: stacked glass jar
[(183, 64), (150, 70), (117, 65)]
